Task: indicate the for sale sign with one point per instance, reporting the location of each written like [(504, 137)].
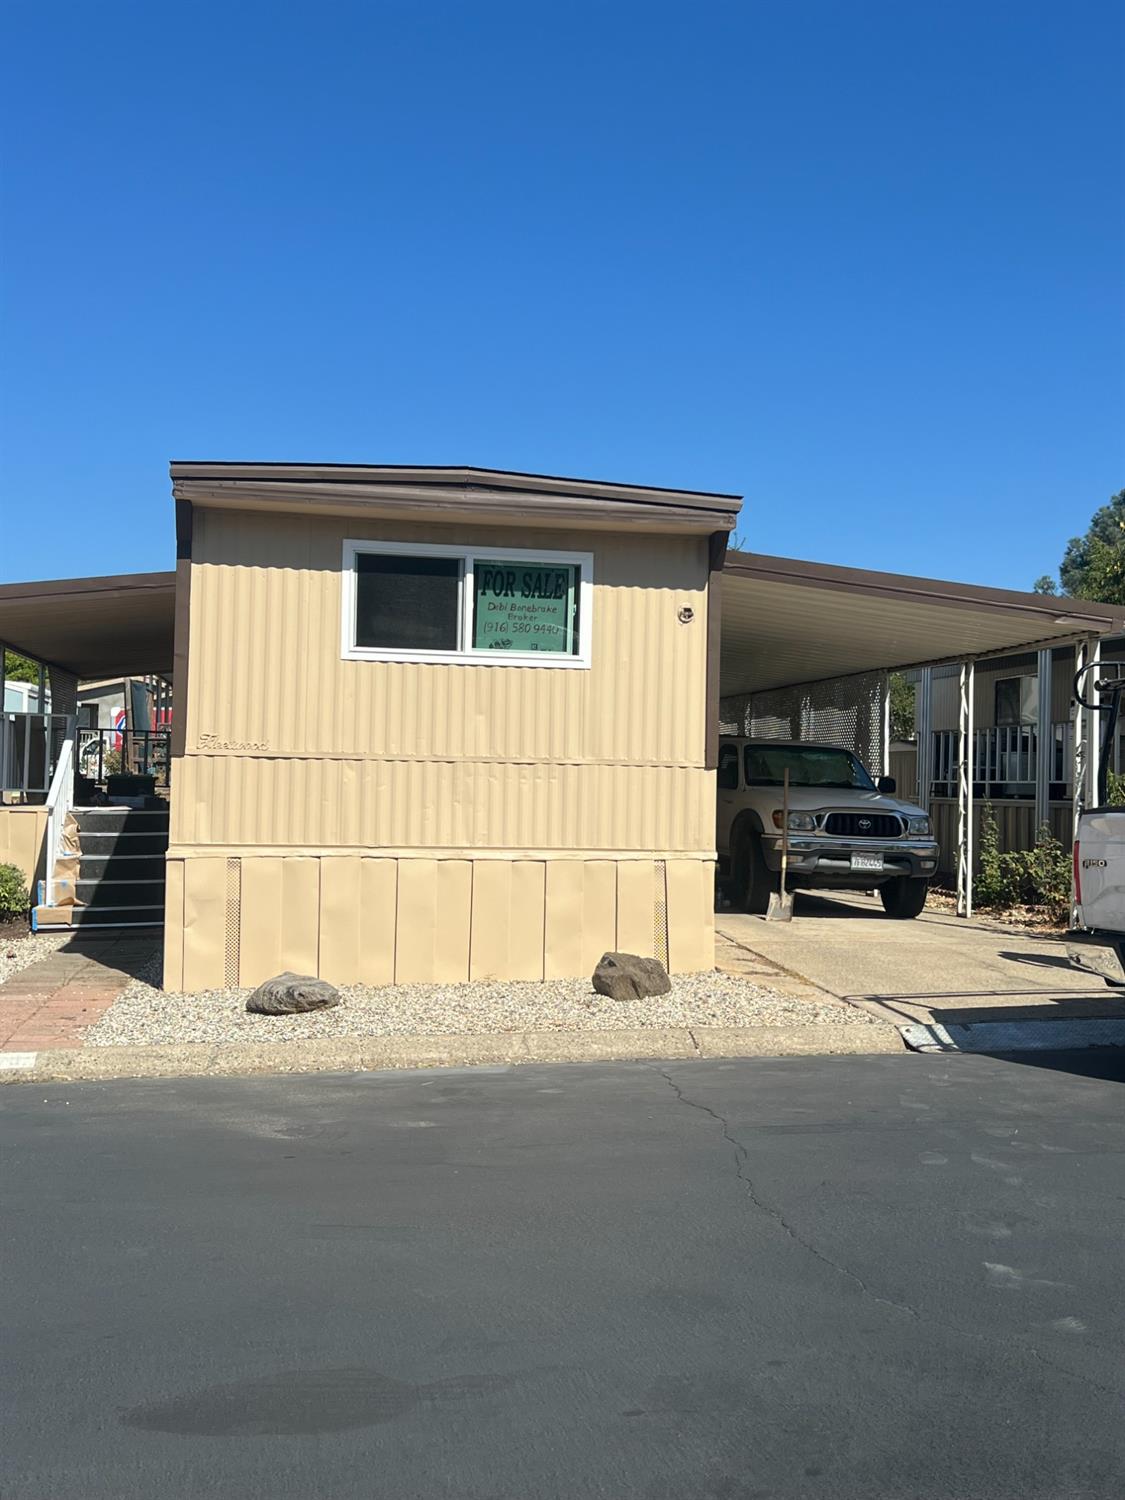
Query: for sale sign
[(525, 606)]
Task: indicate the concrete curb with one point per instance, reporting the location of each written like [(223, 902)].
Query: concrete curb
[(371, 1054)]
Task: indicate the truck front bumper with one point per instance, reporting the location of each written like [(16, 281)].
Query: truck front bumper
[(828, 861)]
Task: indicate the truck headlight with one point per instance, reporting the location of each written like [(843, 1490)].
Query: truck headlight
[(919, 827), (799, 822)]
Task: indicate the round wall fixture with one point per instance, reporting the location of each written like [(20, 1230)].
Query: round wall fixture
[(686, 614)]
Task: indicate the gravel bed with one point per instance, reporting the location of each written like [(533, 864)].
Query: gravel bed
[(19, 953), (144, 1015)]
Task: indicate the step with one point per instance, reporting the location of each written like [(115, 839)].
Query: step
[(118, 893), (55, 918), (116, 865), (102, 845), (121, 819)]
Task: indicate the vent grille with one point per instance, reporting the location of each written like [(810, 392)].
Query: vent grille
[(230, 935), (863, 825), (660, 914)]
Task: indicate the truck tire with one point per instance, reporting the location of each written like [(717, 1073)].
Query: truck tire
[(751, 879), (904, 898)]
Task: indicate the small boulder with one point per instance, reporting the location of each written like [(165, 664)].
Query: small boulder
[(290, 994), (626, 976)]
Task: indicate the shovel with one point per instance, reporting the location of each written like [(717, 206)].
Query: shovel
[(780, 908)]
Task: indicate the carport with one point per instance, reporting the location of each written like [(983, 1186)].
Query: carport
[(806, 648), (75, 630)]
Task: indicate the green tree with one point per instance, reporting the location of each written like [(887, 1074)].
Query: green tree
[(1093, 565), (19, 668), (902, 694)]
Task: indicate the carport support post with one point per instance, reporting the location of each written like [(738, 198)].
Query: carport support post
[(965, 795), (1044, 748), (923, 725)]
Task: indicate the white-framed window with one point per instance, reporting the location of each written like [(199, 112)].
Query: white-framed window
[(478, 606)]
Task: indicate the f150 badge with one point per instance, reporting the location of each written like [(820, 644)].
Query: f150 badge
[(1094, 864)]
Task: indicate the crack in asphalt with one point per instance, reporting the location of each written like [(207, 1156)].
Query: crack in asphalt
[(742, 1157)]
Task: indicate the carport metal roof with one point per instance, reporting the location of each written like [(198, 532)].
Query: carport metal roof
[(787, 622), (93, 627)]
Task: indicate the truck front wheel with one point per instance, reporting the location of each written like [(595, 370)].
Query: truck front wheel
[(904, 898), (751, 878)]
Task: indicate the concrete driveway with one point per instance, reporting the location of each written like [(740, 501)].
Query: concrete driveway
[(935, 967)]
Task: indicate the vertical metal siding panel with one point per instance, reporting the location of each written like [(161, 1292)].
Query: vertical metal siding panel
[(563, 911), (204, 923), (340, 919), (599, 911), (259, 933), (687, 880), (174, 924), (300, 915), (491, 912), (454, 904), (635, 900), (378, 920), (525, 922), (707, 914), (417, 921)]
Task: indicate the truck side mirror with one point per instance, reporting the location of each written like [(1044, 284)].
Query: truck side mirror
[(886, 784)]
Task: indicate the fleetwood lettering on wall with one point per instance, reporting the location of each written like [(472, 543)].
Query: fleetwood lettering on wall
[(525, 606)]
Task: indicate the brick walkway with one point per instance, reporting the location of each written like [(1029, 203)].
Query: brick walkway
[(51, 1003)]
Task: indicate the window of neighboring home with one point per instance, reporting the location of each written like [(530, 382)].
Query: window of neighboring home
[(409, 601), (1017, 700)]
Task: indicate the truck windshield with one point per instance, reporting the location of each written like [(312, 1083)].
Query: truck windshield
[(808, 765)]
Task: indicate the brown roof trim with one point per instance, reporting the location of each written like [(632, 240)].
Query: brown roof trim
[(453, 506), (118, 583), (1099, 617), (449, 477)]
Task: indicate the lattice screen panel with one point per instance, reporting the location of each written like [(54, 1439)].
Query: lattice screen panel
[(842, 711)]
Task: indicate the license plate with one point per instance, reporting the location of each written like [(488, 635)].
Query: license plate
[(867, 861)]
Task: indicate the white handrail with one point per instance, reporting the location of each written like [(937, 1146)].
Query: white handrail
[(60, 801)]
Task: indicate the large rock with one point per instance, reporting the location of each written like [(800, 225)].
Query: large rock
[(626, 976), (289, 994)]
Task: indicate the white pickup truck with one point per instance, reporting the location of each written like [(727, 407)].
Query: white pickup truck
[(1096, 941), (846, 832)]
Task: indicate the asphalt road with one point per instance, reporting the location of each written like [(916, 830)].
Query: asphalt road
[(893, 1277)]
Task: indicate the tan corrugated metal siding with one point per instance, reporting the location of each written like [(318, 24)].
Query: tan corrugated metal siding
[(265, 665), (384, 821), (248, 802)]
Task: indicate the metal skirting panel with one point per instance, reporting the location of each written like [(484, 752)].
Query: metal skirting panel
[(359, 920), (23, 835), (1014, 1036)]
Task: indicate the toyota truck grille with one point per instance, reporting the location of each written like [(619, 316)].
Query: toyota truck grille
[(863, 825)]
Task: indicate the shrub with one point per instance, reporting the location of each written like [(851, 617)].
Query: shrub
[(1039, 876), (14, 896), (1116, 790)]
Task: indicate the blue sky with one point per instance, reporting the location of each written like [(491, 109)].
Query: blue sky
[(861, 262)]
